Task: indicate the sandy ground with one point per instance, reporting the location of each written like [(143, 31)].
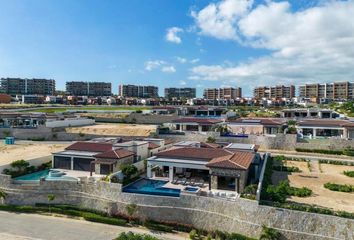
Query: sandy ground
[(315, 180), (115, 129), (27, 151)]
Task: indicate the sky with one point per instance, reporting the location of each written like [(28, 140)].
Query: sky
[(178, 43)]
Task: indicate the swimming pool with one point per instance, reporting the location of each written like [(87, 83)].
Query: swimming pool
[(49, 175), (151, 187)]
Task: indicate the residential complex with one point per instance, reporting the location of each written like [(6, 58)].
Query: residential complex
[(331, 91), (138, 91), (274, 92), (89, 88), (229, 93), (180, 93), (25, 86)]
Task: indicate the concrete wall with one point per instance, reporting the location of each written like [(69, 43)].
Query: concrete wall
[(33, 162), (71, 122), (243, 216)]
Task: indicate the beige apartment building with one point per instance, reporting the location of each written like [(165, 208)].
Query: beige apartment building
[(274, 92), (223, 93), (333, 91)]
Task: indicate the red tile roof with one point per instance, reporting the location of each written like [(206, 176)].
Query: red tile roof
[(115, 154), (238, 160), (153, 145), (90, 147), (205, 121), (326, 123), (258, 121), (194, 153)]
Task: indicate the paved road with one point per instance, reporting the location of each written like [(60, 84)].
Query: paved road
[(19, 226)]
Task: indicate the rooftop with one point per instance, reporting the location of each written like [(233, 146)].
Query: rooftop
[(326, 123), (90, 147), (115, 154), (259, 121), (207, 121), (237, 160)]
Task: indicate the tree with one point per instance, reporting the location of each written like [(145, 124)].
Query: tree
[(131, 209), (20, 165), (51, 198), (3, 196), (211, 139), (129, 170), (269, 233)]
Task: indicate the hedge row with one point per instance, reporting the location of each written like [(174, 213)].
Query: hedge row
[(286, 169), (339, 187), (135, 236), (348, 152), (349, 173), (335, 162)]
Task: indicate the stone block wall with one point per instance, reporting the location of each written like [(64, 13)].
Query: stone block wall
[(243, 216)]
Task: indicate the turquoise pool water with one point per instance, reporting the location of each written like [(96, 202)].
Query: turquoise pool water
[(151, 187), (36, 176)]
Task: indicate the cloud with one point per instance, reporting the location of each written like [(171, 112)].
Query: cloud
[(163, 66), (168, 69), (308, 45), (172, 35), (181, 60), (218, 19), (151, 65), (195, 60), (182, 82)]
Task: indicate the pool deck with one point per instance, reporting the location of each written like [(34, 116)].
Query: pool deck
[(179, 186), (79, 174)]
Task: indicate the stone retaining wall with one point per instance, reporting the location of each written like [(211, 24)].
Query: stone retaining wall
[(243, 216)]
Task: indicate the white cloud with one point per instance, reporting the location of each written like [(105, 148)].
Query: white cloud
[(195, 60), (151, 65), (181, 60), (218, 19), (308, 45), (172, 35), (168, 69), (182, 82)]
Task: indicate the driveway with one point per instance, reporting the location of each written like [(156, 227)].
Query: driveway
[(19, 226)]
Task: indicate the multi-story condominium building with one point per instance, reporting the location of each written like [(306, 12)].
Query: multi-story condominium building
[(89, 88), (180, 93), (274, 92), (24, 86), (138, 91), (332, 91), (222, 93)]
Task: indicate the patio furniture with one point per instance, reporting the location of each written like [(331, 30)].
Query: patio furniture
[(188, 182), (193, 180), (199, 183), (188, 174), (181, 181), (175, 180)]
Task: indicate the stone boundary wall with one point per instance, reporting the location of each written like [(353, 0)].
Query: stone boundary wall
[(243, 216), (326, 144)]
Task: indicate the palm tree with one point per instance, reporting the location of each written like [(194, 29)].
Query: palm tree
[(3, 195), (269, 233)]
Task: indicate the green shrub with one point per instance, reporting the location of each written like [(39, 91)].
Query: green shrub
[(286, 169), (269, 233), (349, 173), (152, 225), (135, 236), (334, 162), (129, 170), (92, 217), (339, 187), (280, 192), (193, 234)]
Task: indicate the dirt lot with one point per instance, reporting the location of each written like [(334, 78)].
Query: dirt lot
[(115, 129), (27, 151), (319, 175)]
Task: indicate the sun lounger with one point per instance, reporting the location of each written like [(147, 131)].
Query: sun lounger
[(200, 183), (175, 180), (181, 181)]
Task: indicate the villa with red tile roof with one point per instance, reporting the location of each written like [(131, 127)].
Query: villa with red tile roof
[(222, 168)]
